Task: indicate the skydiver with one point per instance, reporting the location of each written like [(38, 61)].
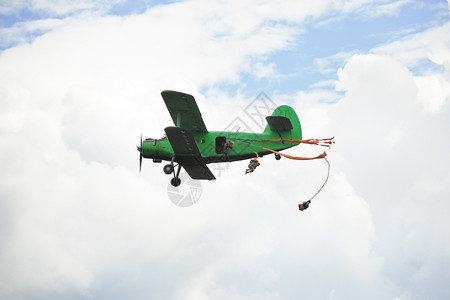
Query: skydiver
[(252, 166)]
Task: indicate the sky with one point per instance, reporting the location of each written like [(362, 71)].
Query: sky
[(80, 81)]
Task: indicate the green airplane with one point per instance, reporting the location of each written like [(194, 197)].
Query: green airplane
[(190, 145)]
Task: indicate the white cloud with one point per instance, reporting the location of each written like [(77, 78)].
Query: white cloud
[(388, 146), (78, 220), (411, 50), (390, 8), (73, 104), (389, 129), (24, 32), (326, 65), (9, 6), (426, 50), (55, 8), (372, 8), (434, 90)]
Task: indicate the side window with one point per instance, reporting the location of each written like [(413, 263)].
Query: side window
[(220, 144)]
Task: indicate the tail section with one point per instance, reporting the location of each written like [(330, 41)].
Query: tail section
[(284, 124)]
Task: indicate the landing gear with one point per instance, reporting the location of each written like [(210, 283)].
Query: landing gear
[(169, 169), (277, 156), (175, 181)]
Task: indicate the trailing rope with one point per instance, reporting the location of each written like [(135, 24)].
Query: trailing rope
[(305, 204), (327, 142), (294, 157)]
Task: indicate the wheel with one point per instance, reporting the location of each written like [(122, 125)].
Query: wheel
[(277, 156), (168, 169), (175, 181)]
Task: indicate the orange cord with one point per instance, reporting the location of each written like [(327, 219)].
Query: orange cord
[(320, 142), (257, 156), (295, 157)]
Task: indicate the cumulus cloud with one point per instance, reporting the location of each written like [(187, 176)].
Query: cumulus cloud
[(78, 221), (393, 150), (389, 126), (429, 52), (76, 215), (24, 32)]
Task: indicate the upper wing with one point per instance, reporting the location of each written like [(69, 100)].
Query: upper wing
[(187, 153), (184, 111)]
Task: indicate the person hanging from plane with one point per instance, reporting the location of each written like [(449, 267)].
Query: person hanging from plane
[(227, 147), (254, 163)]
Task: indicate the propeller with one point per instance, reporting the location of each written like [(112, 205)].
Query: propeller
[(140, 154)]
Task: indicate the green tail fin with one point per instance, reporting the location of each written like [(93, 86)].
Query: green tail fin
[(281, 126)]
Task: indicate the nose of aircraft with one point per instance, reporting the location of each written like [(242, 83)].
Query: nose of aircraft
[(148, 148)]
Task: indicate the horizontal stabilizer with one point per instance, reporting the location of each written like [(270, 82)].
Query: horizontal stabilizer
[(279, 123)]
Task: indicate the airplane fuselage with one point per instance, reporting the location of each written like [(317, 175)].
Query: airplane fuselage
[(212, 146)]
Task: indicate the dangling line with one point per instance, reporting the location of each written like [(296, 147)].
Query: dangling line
[(319, 142), (294, 157), (325, 182), (305, 204)]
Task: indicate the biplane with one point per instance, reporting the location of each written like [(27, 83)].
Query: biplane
[(189, 144)]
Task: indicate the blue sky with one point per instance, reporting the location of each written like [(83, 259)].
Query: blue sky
[(79, 82), (334, 33), (323, 36)]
